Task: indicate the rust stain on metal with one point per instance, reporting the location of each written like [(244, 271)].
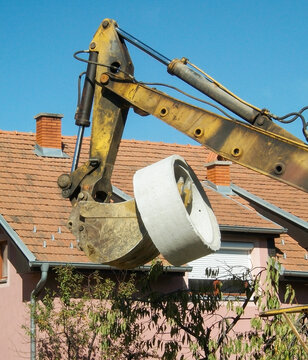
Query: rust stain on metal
[(112, 233)]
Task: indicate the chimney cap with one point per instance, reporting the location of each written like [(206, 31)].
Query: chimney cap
[(218, 162), (50, 115)]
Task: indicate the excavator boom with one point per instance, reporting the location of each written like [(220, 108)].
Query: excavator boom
[(175, 218)]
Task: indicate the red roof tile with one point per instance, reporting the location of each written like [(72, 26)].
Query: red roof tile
[(31, 202), (232, 212)]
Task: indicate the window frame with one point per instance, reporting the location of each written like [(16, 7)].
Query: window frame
[(207, 282), (3, 261)]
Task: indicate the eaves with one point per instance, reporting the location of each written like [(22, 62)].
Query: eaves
[(34, 263), (17, 240), (294, 273), (96, 266), (253, 230)]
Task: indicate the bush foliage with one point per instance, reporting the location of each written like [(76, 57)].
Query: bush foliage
[(94, 316)]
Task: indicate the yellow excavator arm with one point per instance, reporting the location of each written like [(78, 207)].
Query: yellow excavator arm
[(118, 234)]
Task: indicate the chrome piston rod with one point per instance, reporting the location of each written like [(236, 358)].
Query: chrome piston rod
[(194, 79), (77, 148)]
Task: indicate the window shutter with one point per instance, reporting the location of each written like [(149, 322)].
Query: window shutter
[(231, 259)]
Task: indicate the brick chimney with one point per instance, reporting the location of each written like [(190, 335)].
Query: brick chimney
[(48, 130), (218, 172), (48, 135)]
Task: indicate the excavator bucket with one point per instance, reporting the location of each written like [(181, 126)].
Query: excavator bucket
[(170, 215)]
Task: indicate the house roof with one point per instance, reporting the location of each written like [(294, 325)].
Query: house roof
[(285, 201), (31, 203), (282, 195)]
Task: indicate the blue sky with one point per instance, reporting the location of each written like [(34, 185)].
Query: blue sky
[(258, 49)]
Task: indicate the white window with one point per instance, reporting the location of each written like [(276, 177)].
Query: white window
[(230, 265)]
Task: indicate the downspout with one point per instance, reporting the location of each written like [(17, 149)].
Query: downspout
[(39, 287)]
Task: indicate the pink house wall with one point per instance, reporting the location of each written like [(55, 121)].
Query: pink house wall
[(15, 297), (14, 310)]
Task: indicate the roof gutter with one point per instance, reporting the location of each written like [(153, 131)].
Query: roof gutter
[(94, 266), (254, 230), (294, 273)]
